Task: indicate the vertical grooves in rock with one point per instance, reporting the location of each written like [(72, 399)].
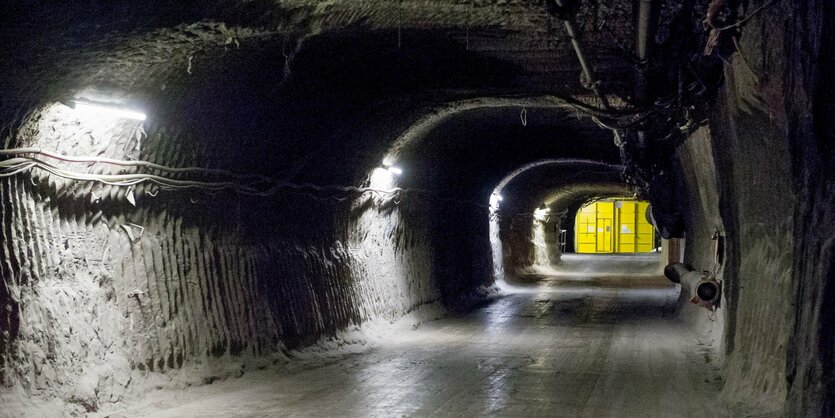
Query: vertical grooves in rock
[(183, 287), (18, 239)]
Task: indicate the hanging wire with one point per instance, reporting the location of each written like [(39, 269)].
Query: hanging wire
[(399, 23), (467, 25), (245, 184), (742, 21)]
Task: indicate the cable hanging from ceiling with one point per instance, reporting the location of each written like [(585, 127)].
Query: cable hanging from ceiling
[(213, 180)]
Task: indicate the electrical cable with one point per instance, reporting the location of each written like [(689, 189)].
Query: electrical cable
[(136, 163), (262, 187), (742, 21), (17, 165)]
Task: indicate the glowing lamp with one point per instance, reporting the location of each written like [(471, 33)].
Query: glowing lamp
[(108, 110)]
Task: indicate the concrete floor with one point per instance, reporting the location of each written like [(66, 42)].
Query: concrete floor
[(561, 346)]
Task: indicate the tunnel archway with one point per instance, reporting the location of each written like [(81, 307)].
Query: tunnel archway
[(471, 145), (274, 219), (517, 235)]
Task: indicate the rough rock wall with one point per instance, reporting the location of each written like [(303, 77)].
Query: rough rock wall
[(695, 163), (547, 240), (92, 301), (806, 106), (518, 242), (756, 203), (99, 295), (771, 137), (531, 239)]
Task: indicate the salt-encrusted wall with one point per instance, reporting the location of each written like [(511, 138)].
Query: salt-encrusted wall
[(740, 183), (226, 82), (769, 139), (806, 111), (102, 292), (704, 245), (756, 205)]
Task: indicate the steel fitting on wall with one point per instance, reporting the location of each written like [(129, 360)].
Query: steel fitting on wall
[(704, 289)]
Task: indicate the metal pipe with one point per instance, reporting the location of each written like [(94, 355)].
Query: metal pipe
[(642, 49), (571, 29), (675, 271), (704, 291), (644, 13), (642, 34)]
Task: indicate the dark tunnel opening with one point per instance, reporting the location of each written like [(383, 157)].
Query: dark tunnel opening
[(373, 208)]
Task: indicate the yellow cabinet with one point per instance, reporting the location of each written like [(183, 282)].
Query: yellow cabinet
[(613, 226)]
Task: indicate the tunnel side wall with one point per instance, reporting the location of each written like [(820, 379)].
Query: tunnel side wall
[(771, 139), (100, 296), (518, 236), (808, 112), (756, 203), (695, 163)]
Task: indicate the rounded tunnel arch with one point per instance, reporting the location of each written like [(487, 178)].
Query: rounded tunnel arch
[(435, 246), (285, 106), (461, 151), (518, 238), (274, 220)]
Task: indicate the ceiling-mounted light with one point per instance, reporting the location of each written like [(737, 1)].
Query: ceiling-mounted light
[(391, 168), (107, 109), (394, 170)]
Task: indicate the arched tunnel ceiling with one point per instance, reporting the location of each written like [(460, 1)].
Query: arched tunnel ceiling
[(560, 183), (286, 79), (571, 195), (478, 146), (141, 49)]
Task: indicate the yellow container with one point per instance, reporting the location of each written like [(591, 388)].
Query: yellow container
[(613, 226)]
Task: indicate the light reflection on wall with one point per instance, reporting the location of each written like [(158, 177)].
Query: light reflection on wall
[(62, 129), (382, 178), (102, 111), (495, 240), (393, 261), (540, 245)]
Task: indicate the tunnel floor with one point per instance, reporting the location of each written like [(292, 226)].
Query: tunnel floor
[(600, 346)]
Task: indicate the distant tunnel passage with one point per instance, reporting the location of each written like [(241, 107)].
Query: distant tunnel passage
[(197, 193)]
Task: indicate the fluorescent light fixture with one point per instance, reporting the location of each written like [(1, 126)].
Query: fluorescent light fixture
[(388, 164), (109, 110)]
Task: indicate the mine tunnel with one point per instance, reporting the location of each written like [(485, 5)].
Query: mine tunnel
[(417, 208)]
